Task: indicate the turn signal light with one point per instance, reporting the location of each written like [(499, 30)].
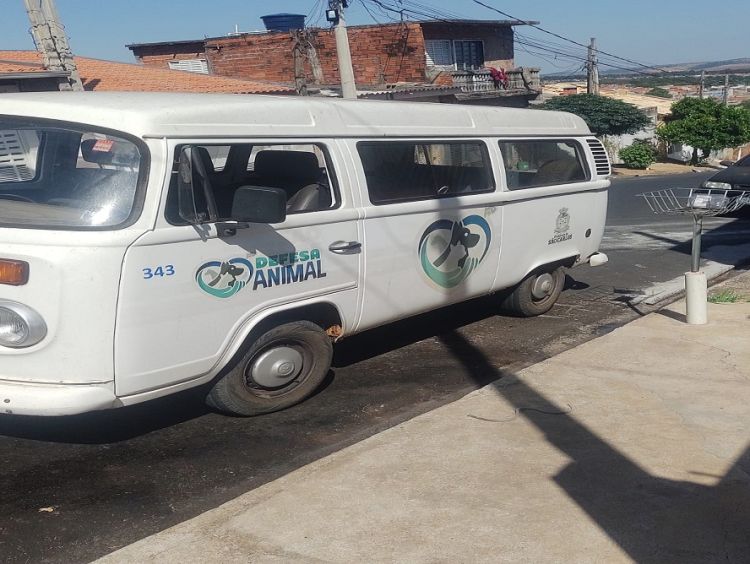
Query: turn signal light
[(14, 272)]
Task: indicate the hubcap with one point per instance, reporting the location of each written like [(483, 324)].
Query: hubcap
[(276, 367), (543, 286)]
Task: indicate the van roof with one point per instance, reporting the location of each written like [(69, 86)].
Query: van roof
[(222, 115)]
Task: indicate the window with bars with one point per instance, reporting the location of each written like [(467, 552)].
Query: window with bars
[(439, 53), (457, 54), (190, 65), (469, 54)]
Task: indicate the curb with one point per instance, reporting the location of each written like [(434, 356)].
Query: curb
[(733, 257), (676, 286)]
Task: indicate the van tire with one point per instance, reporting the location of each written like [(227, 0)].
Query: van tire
[(299, 343), (523, 302)]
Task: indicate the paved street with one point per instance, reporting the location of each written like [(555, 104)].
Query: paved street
[(79, 487)]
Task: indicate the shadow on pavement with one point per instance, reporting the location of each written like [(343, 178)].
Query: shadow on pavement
[(651, 518), (724, 234), (110, 426), (676, 315), (399, 334)]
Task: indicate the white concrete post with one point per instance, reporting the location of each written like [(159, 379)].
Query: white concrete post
[(696, 297)]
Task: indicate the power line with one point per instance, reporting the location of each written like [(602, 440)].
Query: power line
[(316, 9), (413, 8), (418, 9), (546, 57), (540, 28), (562, 52), (369, 13)]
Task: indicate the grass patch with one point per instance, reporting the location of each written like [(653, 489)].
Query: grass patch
[(725, 297)]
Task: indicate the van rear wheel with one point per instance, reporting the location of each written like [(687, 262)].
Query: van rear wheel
[(281, 368), (536, 294)]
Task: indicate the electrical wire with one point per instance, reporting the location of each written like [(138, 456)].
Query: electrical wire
[(540, 28), (533, 46), (567, 52), (369, 12), (318, 8), (574, 57)]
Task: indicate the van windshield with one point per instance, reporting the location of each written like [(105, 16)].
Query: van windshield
[(58, 177)]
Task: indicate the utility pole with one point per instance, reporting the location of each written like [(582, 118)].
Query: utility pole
[(592, 68), (298, 54), (703, 85), (335, 15), (726, 89), (51, 42)]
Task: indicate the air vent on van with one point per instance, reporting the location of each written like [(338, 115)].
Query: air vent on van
[(600, 157)]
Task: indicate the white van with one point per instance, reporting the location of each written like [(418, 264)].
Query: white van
[(154, 242)]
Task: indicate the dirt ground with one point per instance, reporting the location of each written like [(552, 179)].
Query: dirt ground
[(658, 169)]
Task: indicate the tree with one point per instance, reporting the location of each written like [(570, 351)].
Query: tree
[(604, 116), (706, 124)]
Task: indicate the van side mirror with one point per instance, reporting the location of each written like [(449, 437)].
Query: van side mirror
[(259, 204), (727, 163), (186, 207)]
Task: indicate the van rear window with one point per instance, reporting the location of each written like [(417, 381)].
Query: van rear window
[(402, 171), (544, 162), (56, 176)]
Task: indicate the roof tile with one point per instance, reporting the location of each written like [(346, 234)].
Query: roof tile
[(100, 75)]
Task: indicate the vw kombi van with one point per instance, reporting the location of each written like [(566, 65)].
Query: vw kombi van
[(154, 242)]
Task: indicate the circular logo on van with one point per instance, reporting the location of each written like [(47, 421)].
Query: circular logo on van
[(449, 251), (224, 279)]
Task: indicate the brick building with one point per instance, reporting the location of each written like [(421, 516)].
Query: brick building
[(448, 61)]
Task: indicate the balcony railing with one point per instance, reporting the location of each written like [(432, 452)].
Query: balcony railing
[(481, 81)]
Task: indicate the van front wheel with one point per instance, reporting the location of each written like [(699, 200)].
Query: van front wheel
[(281, 368), (536, 294)]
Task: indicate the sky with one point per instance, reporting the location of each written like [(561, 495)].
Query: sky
[(647, 31)]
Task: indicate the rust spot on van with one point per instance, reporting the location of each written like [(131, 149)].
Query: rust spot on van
[(334, 331)]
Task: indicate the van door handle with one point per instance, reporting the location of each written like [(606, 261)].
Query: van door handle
[(345, 247)]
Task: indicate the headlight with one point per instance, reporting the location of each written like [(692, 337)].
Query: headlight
[(20, 326), (716, 185)]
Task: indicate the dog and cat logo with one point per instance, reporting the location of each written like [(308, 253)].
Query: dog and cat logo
[(224, 279), (449, 251)]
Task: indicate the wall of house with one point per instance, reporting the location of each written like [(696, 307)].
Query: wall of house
[(380, 55), (160, 55), (498, 40)]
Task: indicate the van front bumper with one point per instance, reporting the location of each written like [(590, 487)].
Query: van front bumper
[(29, 398)]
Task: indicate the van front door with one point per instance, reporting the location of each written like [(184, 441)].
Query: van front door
[(189, 292), (431, 226)]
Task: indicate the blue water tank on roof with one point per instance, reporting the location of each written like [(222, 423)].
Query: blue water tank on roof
[(283, 22)]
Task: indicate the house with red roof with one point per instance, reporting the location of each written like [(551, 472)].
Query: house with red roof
[(22, 71)]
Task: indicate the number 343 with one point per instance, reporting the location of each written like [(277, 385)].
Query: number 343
[(166, 270)]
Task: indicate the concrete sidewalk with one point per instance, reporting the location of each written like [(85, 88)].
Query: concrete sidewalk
[(633, 446)]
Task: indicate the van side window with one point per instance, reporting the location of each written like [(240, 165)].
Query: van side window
[(545, 162), (403, 171), (303, 171)]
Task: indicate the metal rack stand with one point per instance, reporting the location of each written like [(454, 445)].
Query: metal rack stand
[(698, 202)]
